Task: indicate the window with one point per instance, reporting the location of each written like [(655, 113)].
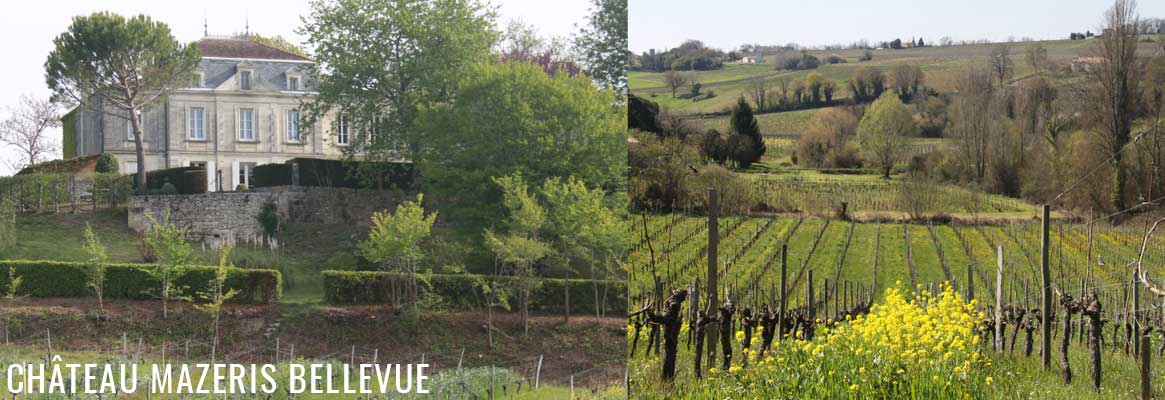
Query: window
[(197, 123), (199, 164), (128, 130), (199, 80), (245, 170), (374, 132), (246, 124), (293, 126), (131, 167), (293, 83), (245, 79), (342, 131)]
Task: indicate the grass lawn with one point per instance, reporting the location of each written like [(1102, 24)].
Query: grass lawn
[(61, 237)]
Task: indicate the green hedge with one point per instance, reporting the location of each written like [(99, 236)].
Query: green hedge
[(133, 281), (268, 175), (337, 173), (187, 180), (458, 290)]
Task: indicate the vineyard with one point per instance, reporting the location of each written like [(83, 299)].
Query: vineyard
[(824, 195), (837, 272)]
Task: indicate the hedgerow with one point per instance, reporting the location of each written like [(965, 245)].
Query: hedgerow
[(460, 292), (133, 281)]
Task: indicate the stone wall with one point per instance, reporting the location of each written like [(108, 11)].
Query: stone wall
[(232, 216)]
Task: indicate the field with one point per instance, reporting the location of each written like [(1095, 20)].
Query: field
[(856, 263), (867, 195), (875, 255), (938, 63)]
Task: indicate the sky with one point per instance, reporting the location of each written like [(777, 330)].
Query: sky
[(726, 24), (27, 29)]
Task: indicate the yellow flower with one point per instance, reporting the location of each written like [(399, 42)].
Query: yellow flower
[(989, 380), (734, 369), (853, 387)]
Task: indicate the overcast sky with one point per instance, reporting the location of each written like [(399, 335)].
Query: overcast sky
[(726, 24), (27, 29)]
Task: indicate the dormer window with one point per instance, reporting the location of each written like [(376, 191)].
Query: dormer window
[(245, 79), (293, 84), (199, 80)]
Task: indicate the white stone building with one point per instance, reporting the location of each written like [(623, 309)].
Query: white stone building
[(242, 111)]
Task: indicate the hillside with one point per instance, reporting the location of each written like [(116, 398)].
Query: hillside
[(940, 65)]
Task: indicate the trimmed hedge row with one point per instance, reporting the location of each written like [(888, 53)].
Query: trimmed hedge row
[(133, 281), (187, 180), (336, 173), (458, 290)]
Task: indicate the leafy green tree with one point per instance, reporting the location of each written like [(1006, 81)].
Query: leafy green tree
[(395, 239), (14, 282), (581, 226), (744, 152), (496, 295), (168, 241), (512, 118), (884, 130), (217, 293), (521, 246), (602, 44), (95, 270), (106, 163), (130, 63), (379, 59)]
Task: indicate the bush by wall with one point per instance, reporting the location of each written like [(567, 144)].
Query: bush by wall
[(458, 290), (268, 175), (133, 281), (187, 180), (337, 173)]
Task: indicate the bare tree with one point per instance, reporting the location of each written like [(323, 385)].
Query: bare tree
[(1114, 88), (674, 80), (758, 89), (1001, 64), (27, 129), (1036, 56), (907, 80), (973, 124)]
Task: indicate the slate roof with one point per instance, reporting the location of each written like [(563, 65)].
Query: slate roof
[(242, 48)]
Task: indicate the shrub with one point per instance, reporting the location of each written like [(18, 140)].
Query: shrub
[(268, 219), (176, 177), (107, 163), (133, 281), (459, 291), (268, 175)]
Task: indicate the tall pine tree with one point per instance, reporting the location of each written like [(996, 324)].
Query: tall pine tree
[(745, 151)]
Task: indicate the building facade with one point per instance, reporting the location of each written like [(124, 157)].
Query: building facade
[(242, 110)]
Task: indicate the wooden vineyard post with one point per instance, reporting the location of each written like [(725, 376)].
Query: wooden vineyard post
[(784, 304), (713, 284), (970, 283), (999, 300), (1133, 314), (1146, 385), (1046, 307), (538, 373), (809, 310)]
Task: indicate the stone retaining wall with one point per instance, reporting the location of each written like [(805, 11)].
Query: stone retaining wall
[(233, 216)]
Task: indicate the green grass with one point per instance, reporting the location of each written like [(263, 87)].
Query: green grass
[(60, 237)]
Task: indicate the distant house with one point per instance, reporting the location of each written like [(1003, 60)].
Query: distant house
[(1085, 64), (751, 60)]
